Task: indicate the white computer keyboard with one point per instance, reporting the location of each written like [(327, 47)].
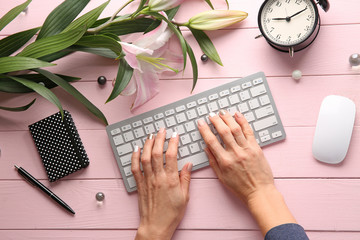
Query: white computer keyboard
[(250, 95)]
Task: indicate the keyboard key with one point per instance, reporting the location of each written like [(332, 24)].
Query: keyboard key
[(137, 143), (235, 89), (158, 116), (263, 133), (224, 93), (202, 144), (181, 118), (264, 111), (213, 107), (190, 126), (202, 101), (115, 131), (195, 159), (265, 138), (257, 81), (118, 140), (249, 116), (126, 160), (243, 107), (126, 128), (148, 120), (169, 133), (234, 99), (184, 151), (185, 139), (254, 103), (213, 97), (159, 124), (170, 121), (194, 148), (264, 100), (265, 123), (195, 136), (129, 136), (180, 108), (139, 132), (179, 129), (149, 129), (191, 104), (191, 114), (244, 95), (137, 124), (246, 85), (232, 111), (127, 171), (276, 134), (124, 149), (132, 182), (223, 103), (258, 90), (169, 112), (202, 110)]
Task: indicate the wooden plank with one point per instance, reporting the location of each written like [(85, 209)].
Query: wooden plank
[(179, 235), (319, 205), (291, 158)]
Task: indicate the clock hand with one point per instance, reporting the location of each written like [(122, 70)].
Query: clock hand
[(279, 18), (298, 13)]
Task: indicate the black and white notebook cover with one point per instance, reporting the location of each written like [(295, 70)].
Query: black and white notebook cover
[(59, 145)]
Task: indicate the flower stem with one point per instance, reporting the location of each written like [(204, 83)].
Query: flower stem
[(117, 12)]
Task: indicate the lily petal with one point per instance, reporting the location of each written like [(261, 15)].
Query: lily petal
[(163, 5)]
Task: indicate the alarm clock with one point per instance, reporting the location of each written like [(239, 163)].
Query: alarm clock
[(290, 25)]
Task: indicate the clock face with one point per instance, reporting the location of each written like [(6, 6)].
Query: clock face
[(288, 22)]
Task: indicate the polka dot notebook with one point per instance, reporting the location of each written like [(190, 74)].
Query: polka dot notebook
[(59, 145)]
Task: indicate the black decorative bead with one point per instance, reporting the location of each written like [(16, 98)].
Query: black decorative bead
[(101, 80), (204, 58)]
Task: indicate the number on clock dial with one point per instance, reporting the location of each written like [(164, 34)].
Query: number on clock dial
[(288, 32)]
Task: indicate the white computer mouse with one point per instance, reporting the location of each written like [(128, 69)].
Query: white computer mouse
[(334, 129)]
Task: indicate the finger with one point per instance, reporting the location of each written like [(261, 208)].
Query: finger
[(213, 162), (185, 177), (223, 130), (146, 155), (234, 126), (171, 153), (210, 139), (157, 152), (245, 126), (135, 167)]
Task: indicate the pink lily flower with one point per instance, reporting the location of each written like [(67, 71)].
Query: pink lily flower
[(148, 56), (163, 5), (216, 19)]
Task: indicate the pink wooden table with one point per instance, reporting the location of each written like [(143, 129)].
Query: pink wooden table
[(324, 199)]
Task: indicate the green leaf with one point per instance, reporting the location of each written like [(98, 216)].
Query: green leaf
[(41, 90), (128, 26), (140, 7), (104, 52), (175, 30), (61, 17), (193, 64), (210, 4), (52, 44), (87, 19), (154, 25), (11, 15), (56, 55), (11, 64), (74, 92), (172, 12), (206, 45), (123, 78), (96, 41), (12, 43), (18, 109), (10, 86)]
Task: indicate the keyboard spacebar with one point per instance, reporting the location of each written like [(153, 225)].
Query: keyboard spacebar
[(195, 159)]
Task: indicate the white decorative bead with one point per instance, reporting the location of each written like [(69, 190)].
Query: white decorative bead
[(354, 59), (297, 74), (100, 196), (41, 83)]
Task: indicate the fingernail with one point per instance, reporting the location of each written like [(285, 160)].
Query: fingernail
[(212, 114), (150, 136), (238, 114), (189, 167), (174, 134), (136, 149), (201, 122), (162, 130), (222, 112)]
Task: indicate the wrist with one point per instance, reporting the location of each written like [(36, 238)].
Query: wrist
[(148, 233)]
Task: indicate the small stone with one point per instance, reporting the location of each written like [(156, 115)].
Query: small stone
[(101, 80), (204, 58), (297, 74), (100, 196), (354, 59)]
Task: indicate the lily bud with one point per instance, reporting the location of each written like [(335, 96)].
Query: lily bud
[(163, 5), (215, 19)]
